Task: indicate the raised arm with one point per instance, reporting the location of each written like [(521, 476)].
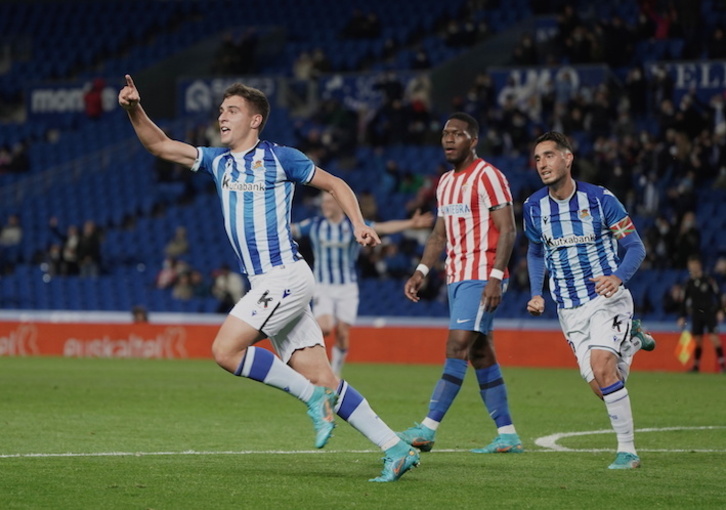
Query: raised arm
[(418, 220), (342, 193), (151, 136)]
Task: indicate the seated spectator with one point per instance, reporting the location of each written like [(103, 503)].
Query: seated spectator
[(93, 99), (228, 288), (688, 240), (183, 289), (200, 288), (69, 251), (673, 299), (168, 273), (178, 245), (89, 250), (12, 233)]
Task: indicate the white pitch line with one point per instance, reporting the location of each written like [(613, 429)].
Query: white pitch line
[(548, 444)]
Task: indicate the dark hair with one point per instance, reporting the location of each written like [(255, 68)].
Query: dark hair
[(471, 122), (255, 97), (560, 140)]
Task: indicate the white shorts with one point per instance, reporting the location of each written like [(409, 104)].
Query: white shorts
[(339, 301), (278, 305), (603, 323)]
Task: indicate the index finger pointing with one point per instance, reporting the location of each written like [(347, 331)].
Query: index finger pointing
[(129, 81)]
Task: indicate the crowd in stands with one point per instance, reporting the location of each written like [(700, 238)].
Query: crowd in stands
[(185, 282), (654, 149)]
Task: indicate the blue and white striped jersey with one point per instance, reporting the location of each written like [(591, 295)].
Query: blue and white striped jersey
[(334, 248), (579, 236), (256, 189)]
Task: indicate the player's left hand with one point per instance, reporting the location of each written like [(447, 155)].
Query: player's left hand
[(424, 220), (606, 285), (366, 236), (492, 295)]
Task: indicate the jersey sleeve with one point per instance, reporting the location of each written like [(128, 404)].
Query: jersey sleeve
[(205, 159), (530, 229), (298, 167), (497, 188), (616, 217), (304, 227)]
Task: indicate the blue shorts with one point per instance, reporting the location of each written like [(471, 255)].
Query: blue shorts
[(465, 307)]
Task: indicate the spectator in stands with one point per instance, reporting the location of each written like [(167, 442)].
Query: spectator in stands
[(12, 232), (183, 289), (673, 299), (93, 99), (139, 315), (228, 288), (200, 288), (525, 53), (5, 159), (302, 67), (168, 273), (636, 88), (69, 242), (89, 250), (236, 54), (19, 159), (362, 26), (321, 63), (688, 240), (420, 60), (178, 245), (51, 262), (716, 46), (662, 87)]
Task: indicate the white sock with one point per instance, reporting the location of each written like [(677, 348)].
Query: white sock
[(507, 429), (432, 424), (338, 359), (621, 418), (356, 410), (263, 366)]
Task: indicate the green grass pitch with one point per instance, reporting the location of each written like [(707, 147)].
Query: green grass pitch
[(133, 434)]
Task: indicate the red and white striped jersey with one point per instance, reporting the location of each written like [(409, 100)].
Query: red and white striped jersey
[(465, 199)]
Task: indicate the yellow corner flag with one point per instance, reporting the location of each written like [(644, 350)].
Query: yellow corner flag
[(685, 347)]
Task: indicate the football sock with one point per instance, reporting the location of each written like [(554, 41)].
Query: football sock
[(697, 357), (719, 357), (494, 394), (338, 359), (261, 365), (447, 388), (356, 410), (617, 403)]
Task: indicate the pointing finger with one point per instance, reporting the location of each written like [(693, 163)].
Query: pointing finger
[(129, 81)]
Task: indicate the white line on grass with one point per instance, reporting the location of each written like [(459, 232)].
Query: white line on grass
[(547, 443), (550, 442)]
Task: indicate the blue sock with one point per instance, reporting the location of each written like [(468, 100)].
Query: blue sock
[(494, 394), (447, 388)]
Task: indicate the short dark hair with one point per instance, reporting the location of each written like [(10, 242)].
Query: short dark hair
[(562, 142), (255, 97), (471, 122)]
